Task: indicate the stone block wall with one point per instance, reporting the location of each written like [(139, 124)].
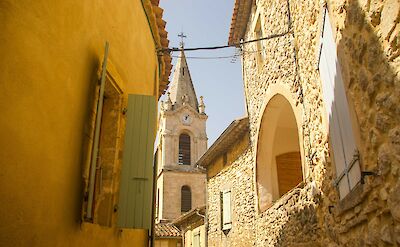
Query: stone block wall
[(170, 192), (368, 42), (239, 178)]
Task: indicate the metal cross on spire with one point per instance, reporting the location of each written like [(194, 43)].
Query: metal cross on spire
[(182, 36)]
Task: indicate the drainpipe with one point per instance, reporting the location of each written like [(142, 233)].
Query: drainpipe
[(183, 238), (205, 231), (199, 214), (206, 216), (153, 206), (244, 78)]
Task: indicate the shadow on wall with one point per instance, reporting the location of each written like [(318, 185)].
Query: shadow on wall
[(302, 221), (87, 132), (373, 94)]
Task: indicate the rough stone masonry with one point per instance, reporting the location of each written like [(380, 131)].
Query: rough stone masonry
[(368, 44)]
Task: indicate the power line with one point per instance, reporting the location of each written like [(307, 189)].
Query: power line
[(221, 57), (236, 55), (225, 46)]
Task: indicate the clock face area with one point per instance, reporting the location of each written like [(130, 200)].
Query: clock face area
[(186, 119)]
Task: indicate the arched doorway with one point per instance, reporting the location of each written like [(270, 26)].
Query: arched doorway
[(279, 166)]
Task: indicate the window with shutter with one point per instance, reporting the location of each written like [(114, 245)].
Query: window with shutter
[(226, 212), (104, 146), (344, 150), (258, 32), (184, 150), (186, 199)]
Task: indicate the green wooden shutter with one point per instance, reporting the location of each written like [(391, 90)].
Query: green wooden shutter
[(136, 186)]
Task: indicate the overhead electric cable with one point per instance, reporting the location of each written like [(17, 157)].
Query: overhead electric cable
[(242, 52), (224, 46), (221, 57)]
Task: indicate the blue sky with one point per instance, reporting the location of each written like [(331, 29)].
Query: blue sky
[(206, 23)]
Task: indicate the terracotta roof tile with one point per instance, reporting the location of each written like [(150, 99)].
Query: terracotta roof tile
[(166, 230), (240, 17), (158, 25)]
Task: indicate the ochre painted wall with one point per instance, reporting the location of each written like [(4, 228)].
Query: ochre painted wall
[(170, 242), (51, 53)]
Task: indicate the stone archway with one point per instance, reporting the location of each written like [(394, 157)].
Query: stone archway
[(279, 166)]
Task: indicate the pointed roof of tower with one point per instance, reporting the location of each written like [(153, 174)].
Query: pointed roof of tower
[(182, 89)]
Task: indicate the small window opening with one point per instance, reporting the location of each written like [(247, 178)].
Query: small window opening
[(186, 199), (260, 44)]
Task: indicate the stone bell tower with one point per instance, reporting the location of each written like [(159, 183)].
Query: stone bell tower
[(182, 140)]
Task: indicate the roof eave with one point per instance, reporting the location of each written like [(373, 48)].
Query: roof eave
[(240, 17), (233, 132), (157, 25), (179, 221)]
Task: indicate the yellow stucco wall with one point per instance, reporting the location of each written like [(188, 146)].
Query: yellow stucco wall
[(51, 52), (171, 242)]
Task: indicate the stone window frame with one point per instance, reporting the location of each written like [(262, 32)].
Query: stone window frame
[(273, 90), (113, 81), (355, 195), (260, 56)]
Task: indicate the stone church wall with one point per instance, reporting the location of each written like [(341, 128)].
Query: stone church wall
[(367, 35), (171, 191)]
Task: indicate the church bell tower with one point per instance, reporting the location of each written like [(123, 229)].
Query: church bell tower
[(182, 140)]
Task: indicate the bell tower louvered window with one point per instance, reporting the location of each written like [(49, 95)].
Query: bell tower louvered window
[(186, 199), (184, 150)]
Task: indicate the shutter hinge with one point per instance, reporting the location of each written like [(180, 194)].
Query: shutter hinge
[(356, 157), (139, 178), (367, 173)]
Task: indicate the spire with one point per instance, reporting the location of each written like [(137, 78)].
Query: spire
[(182, 90)]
